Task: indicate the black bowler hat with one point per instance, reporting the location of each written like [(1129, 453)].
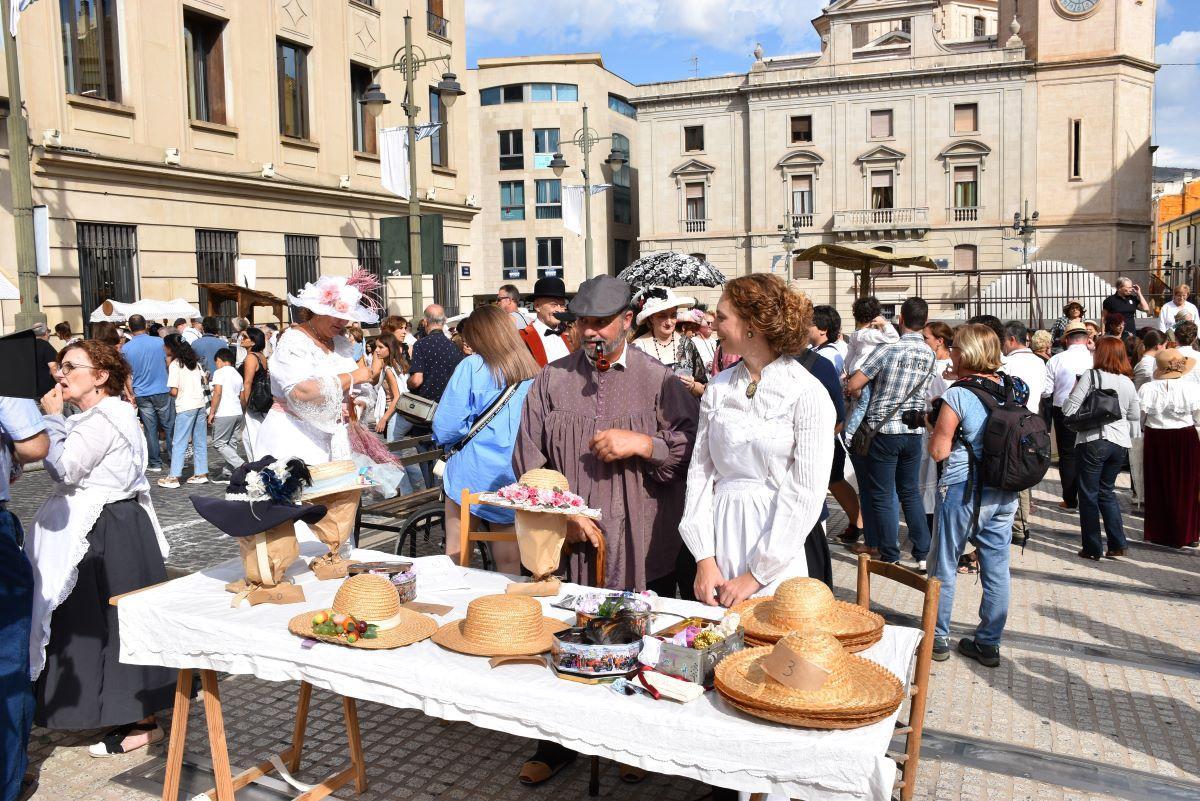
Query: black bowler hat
[(549, 288), (261, 495), (602, 296)]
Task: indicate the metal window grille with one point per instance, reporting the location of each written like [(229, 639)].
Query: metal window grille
[(216, 263), (369, 258), (445, 283), (107, 264), (90, 57), (302, 263)]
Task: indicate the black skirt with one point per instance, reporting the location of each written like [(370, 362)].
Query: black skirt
[(816, 554), (84, 684)]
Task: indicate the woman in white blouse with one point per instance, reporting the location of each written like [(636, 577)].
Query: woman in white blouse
[(95, 537), (1172, 452), (757, 481)]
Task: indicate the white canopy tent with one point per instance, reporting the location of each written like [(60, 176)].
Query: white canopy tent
[(1040, 288), (114, 311)]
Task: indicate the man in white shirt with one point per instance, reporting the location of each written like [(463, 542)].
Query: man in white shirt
[(545, 337), (1022, 363), (1062, 371), (1178, 303), (508, 298)]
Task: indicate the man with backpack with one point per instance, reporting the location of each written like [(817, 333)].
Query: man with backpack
[(993, 447)]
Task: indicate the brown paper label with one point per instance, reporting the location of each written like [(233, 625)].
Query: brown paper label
[(428, 609), (792, 670), (279, 594), (528, 659)]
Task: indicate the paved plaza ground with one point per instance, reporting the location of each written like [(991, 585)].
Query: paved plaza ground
[(1098, 696)]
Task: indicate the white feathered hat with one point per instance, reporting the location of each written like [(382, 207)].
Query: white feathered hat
[(345, 297), (652, 300)]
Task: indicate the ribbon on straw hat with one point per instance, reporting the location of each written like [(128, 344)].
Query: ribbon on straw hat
[(501, 625), (807, 605), (373, 599), (835, 689)]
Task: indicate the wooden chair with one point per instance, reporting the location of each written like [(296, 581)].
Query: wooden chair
[(466, 537), (931, 588)]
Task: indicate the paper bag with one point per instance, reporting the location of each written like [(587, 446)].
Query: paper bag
[(267, 556), (540, 537), (334, 530)]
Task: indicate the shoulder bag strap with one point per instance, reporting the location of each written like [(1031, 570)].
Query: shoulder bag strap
[(482, 421), (904, 400)]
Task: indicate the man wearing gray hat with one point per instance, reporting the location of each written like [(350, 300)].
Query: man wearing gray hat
[(620, 426)]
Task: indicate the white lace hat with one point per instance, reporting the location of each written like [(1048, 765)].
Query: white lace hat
[(652, 300), (345, 297)]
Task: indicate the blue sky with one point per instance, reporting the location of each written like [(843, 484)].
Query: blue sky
[(655, 40)]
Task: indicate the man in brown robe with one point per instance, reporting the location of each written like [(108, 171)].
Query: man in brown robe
[(620, 426), (622, 436)]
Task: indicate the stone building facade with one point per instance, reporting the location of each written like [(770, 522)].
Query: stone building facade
[(521, 109), (173, 137), (921, 127)]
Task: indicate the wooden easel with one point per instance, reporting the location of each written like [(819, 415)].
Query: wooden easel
[(226, 783)]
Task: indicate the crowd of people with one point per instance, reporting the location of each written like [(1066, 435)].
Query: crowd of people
[(709, 439)]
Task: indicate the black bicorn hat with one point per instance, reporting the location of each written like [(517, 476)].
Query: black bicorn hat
[(261, 495)]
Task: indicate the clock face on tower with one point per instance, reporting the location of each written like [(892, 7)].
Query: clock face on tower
[(1077, 8)]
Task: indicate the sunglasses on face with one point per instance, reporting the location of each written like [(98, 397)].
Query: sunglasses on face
[(66, 368)]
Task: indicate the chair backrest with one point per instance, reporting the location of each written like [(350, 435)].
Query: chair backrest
[(466, 537), (931, 588)]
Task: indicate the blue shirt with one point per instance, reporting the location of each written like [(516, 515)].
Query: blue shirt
[(148, 359), (485, 465), (206, 348), (434, 357), (19, 419)]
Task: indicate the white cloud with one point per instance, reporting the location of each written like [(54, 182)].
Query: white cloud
[(1176, 90), (726, 25)]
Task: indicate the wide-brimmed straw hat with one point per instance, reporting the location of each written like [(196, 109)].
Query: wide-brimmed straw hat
[(345, 297), (374, 599), (501, 625), (853, 692), (331, 478), (652, 300), (1170, 363), (1076, 304), (807, 605), (540, 490)]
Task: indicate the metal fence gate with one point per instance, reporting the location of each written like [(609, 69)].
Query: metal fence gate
[(107, 265), (216, 263), (445, 283), (302, 264), (369, 259)]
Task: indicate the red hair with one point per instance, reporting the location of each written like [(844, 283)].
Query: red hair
[(1110, 356)]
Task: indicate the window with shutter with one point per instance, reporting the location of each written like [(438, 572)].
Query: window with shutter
[(802, 200), (881, 189), (966, 118), (802, 129), (965, 257), (694, 196), (693, 138), (966, 187), (881, 124)]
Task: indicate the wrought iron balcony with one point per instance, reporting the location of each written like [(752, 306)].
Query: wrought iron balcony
[(438, 26)]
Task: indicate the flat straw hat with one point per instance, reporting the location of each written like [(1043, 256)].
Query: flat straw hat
[(374, 599), (500, 625), (807, 605), (855, 692), (330, 478), (1170, 363)]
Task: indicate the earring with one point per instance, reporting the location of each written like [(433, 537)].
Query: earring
[(749, 335)]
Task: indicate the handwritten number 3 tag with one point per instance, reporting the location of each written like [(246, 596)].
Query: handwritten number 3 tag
[(792, 670)]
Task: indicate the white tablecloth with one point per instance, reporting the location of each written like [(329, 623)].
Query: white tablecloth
[(188, 622)]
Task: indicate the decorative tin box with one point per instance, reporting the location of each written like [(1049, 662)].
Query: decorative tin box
[(692, 664), (571, 653)]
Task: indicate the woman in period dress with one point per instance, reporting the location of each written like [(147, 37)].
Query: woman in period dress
[(97, 536), (757, 481), (657, 308), (1171, 405)]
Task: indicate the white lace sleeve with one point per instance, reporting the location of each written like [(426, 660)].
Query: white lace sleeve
[(306, 379)]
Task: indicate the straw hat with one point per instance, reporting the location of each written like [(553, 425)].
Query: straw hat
[(500, 625), (806, 605), (374, 599), (539, 479), (1077, 304), (331, 478), (855, 692), (654, 299), (1170, 363)]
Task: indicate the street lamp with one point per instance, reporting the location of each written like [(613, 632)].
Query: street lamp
[(791, 235), (586, 139), (1025, 227), (409, 60)]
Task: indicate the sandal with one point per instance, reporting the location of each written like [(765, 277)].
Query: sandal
[(170, 482), (968, 563), (546, 762), (111, 744)]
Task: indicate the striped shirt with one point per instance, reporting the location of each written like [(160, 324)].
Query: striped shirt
[(895, 370)]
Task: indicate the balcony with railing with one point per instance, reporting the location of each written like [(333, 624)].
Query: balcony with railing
[(802, 220), (438, 25), (961, 214), (693, 226), (872, 220)]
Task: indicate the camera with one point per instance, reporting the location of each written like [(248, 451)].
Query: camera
[(917, 418)]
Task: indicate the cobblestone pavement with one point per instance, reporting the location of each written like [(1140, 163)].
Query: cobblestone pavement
[(1098, 695)]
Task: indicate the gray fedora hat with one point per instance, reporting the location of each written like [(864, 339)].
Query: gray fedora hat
[(602, 296)]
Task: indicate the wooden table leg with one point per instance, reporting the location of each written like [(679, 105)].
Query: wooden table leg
[(300, 725), (350, 708), (216, 735), (179, 723)]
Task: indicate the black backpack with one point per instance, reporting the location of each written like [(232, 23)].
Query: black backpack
[(1016, 442), (260, 399)]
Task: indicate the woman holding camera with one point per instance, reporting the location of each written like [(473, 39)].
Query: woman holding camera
[(965, 510), (1101, 451)]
